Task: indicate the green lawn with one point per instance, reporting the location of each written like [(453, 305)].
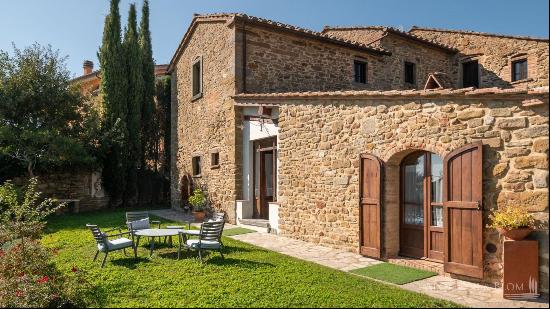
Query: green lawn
[(237, 231), (394, 273), (249, 276)]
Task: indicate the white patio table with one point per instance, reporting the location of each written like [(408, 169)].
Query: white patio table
[(152, 233)]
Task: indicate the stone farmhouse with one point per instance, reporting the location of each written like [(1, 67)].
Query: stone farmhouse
[(370, 139)]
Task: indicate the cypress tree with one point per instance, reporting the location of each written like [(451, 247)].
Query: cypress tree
[(113, 90), (134, 96), (148, 71)]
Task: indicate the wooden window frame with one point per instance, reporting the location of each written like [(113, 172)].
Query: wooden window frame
[(197, 94), (513, 69), (196, 171), (365, 79), (414, 79)]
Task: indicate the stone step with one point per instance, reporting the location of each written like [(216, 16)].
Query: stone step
[(256, 222)]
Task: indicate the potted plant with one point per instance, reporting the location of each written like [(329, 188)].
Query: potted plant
[(198, 201), (513, 222)]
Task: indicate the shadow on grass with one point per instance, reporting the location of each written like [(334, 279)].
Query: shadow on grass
[(129, 262)]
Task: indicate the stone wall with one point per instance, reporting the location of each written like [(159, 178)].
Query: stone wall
[(321, 139), (427, 59), (280, 62), (206, 124), (83, 186), (495, 54)]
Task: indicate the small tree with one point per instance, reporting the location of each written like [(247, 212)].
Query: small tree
[(41, 114)]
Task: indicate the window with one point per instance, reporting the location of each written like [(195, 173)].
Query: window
[(470, 74), (197, 78), (410, 73), (519, 70), (360, 69), (196, 161), (214, 159)]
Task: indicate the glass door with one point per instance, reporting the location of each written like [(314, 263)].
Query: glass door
[(412, 210), (421, 224)]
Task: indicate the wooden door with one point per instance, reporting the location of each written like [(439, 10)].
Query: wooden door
[(370, 206), (462, 201), (265, 177)]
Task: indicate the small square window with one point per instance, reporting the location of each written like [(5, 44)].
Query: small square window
[(214, 159), (519, 70), (196, 162), (360, 71), (197, 78), (410, 73)]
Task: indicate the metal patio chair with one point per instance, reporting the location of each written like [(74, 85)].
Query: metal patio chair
[(209, 239), (106, 245)]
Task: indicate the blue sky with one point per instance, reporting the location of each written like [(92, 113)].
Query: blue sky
[(75, 26)]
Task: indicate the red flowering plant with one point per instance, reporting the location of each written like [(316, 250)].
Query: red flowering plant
[(28, 275)]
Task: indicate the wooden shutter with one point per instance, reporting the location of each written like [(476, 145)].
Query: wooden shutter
[(462, 198), (370, 204)]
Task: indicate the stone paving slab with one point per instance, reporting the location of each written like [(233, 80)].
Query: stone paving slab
[(459, 291), (332, 258)]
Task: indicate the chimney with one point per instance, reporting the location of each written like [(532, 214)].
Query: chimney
[(88, 67)]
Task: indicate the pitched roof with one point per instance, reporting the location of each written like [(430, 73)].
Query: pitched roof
[(276, 25), (507, 36), (391, 30), (438, 80), (276, 98)]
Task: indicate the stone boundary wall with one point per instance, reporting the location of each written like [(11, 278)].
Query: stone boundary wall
[(322, 137), (84, 186)]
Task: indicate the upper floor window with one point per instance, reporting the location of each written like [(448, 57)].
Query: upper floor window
[(410, 73), (197, 78), (360, 70), (470, 74), (196, 162), (519, 70)]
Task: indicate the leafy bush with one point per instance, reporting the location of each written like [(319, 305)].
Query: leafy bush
[(511, 217), (28, 277), (198, 200)]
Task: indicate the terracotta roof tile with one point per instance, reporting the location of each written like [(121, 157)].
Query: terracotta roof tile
[(468, 92), (521, 37), (396, 31)]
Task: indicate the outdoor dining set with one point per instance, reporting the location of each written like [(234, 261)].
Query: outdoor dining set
[(139, 225)]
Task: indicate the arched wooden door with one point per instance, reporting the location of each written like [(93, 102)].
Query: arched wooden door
[(370, 206), (462, 200)]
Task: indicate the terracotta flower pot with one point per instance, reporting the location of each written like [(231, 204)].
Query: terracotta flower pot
[(199, 215), (515, 234)]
